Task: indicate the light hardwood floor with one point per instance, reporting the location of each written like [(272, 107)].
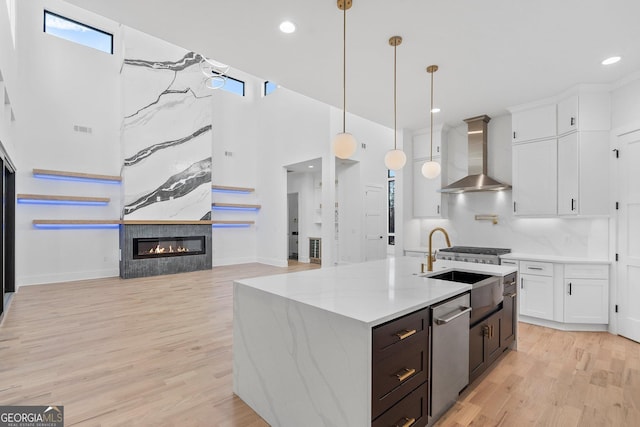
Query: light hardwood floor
[(157, 352)]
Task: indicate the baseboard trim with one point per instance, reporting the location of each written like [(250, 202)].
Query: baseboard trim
[(582, 327)]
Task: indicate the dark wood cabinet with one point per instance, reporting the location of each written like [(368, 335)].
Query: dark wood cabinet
[(484, 344), (400, 370), (509, 314), (410, 411)]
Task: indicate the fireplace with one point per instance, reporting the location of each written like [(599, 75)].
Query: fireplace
[(184, 248), (154, 247)]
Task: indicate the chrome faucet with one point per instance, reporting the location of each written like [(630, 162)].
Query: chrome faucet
[(432, 258)]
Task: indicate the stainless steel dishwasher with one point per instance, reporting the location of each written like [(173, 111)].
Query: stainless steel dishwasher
[(449, 352)]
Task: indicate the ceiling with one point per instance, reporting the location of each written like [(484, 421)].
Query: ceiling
[(492, 54)]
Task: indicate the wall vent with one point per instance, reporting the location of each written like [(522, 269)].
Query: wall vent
[(82, 129)]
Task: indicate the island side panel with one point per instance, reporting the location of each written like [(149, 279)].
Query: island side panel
[(297, 365)]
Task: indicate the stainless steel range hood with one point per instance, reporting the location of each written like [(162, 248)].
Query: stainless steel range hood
[(477, 180)]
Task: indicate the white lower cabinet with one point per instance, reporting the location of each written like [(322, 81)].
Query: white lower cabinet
[(586, 294), (561, 295), (536, 289)]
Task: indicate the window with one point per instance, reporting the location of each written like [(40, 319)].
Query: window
[(76, 32), (269, 87), (391, 195), (234, 86)]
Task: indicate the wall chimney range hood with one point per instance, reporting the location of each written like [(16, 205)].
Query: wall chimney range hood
[(477, 179)]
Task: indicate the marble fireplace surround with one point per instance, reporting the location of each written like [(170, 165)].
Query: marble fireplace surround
[(146, 267)]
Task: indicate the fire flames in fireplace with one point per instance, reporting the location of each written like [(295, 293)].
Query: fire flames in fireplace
[(160, 250), (168, 246)]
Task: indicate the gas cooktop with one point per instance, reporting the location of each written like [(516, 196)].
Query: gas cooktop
[(476, 250), (472, 254)]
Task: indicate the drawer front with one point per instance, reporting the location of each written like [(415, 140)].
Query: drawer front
[(586, 271), (536, 268), (400, 332), (411, 411), (511, 262), (395, 376)]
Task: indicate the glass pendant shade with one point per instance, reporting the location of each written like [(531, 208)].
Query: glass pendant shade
[(431, 169), (395, 159), (344, 145)]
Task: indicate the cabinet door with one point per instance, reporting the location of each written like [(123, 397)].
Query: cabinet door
[(493, 340), (536, 296), (535, 123), (535, 178), (568, 175), (422, 144), (427, 201), (568, 115), (586, 301), (477, 353), (509, 317), (594, 154)]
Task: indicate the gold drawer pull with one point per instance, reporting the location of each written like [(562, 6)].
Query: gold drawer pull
[(405, 334), (405, 422), (404, 374)]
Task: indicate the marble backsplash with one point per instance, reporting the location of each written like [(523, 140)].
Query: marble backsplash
[(572, 237)]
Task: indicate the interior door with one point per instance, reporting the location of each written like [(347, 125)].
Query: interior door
[(292, 204), (375, 223), (629, 237)]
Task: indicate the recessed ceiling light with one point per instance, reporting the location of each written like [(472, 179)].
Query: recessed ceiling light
[(287, 27), (435, 110), (611, 60), (311, 166)]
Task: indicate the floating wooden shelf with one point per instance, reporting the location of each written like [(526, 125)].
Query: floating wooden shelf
[(235, 205), (75, 221), (53, 198), (233, 222), (77, 175), (164, 222), (228, 188)]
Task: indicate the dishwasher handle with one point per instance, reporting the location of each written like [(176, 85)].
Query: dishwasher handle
[(463, 310)]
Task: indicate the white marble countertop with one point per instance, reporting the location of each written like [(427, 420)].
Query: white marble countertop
[(371, 292), (518, 256)]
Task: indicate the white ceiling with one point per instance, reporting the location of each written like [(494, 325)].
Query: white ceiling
[(492, 54)]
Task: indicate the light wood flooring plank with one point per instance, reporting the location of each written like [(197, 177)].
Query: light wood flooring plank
[(158, 351)]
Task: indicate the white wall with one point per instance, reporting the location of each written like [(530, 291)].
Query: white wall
[(8, 81), (625, 103), (61, 84)]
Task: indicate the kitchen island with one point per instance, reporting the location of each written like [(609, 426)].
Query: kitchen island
[(302, 352)]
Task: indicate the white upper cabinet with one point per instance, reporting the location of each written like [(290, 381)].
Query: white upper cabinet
[(568, 178), (583, 173), (428, 202), (535, 178), (576, 124), (533, 123), (588, 111), (422, 143)]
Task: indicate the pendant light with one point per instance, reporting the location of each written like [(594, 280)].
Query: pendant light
[(344, 144), (395, 159), (431, 169)]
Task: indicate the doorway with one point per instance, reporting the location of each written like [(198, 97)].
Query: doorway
[(375, 224), (7, 231), (629, 236), (293, 215), (304, 209)]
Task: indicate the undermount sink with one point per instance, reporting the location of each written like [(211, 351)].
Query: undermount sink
[(460, 276)]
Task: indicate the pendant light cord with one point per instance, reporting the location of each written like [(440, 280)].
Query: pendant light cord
[(344, 69), (395, 108), (431, 115)]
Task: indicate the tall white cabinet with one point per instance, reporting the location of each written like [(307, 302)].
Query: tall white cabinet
[(428, 202), (560, 154)]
